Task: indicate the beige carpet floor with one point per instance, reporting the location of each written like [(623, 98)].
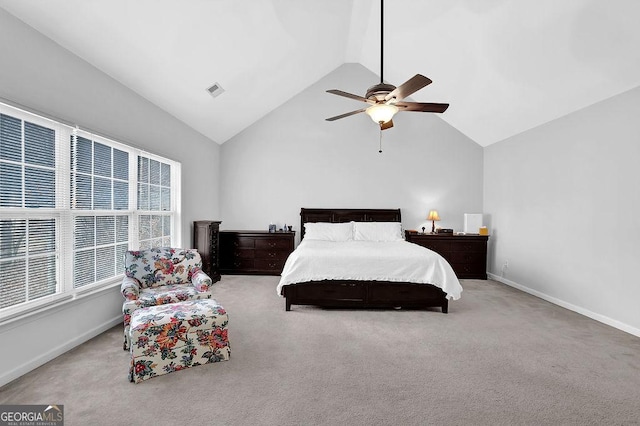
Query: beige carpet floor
[(500, 357)]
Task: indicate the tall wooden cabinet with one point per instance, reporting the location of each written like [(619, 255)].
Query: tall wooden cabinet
[(206, 239)]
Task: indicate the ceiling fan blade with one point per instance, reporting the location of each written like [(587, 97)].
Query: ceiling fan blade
[(421, 106), (387, 125), (410, 86), (346, 114), (350, 95)]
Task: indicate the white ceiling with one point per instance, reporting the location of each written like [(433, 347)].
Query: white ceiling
[(504, 66)]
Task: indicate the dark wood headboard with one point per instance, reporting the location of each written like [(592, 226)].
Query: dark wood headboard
[(347, 215)]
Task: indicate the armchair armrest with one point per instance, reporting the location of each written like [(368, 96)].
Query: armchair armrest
[(200, 280), (130, 288)]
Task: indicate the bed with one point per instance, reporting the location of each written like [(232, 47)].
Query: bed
[(345, 291)]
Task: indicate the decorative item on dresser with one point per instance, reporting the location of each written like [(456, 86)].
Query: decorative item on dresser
[(467, 254), (206, 240), (254, 252)]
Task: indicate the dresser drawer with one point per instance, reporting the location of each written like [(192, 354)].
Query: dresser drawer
[(228, 264), (273, 243), (239, 253), (469, 246), (234, 241), (272, 254), (271, 265), (470, 270), (460, 257), (386, 292), (336, 291)]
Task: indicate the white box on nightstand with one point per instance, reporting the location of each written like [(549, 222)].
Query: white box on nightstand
[(472, 223)]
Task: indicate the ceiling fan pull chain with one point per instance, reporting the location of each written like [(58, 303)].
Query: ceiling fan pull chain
[(380, 149)]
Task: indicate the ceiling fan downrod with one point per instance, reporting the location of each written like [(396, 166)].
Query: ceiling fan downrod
[(381, 41)]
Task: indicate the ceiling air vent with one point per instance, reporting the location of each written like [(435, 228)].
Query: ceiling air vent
[(215, 90)]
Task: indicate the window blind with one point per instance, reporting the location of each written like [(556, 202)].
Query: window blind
[(154, 202)]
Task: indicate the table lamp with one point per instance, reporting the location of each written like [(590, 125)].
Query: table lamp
[(433, 216)]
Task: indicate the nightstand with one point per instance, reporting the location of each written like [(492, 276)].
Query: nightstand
[(254, 252), (467, 254)]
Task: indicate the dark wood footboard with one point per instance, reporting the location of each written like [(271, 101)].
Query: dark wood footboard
[(365, 294)]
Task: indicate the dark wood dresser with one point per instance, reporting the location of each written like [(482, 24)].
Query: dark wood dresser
[(207, 241), (254, 252), (467, 254)]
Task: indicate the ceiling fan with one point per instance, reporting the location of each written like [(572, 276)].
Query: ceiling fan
[(385, 100)]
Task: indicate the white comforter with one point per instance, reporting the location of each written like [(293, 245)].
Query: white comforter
[(397, 261)]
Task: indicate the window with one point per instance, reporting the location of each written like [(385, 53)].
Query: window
[(28, 245), (27, 260), (154, 203), (71, 204), (99, 181)]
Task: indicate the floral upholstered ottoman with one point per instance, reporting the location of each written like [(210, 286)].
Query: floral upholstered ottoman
[(167, 338)]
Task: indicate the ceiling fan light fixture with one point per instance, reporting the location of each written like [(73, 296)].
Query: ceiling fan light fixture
[(381, 113)]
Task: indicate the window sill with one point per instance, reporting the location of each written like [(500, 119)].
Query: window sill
[(62, 301)]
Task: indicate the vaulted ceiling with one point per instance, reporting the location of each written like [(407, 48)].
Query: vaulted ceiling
[(504, 66)]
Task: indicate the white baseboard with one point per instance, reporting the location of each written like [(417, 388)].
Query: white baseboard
[(57, 351), (582, 311)]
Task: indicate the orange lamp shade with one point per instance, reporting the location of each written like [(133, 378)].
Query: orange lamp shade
[(433, 215)]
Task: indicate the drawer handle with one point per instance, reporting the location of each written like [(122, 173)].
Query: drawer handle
[(236, 244), (272, 254), (236, 264), (272, 245), (272, 265)]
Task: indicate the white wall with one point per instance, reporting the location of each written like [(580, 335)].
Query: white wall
[(44, 77), (564, 201), (293, 158)]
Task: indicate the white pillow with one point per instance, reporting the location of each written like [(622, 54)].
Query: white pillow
[(328, 231), (377, 231)]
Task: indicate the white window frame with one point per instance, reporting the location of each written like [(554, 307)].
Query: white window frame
[(64, 216)]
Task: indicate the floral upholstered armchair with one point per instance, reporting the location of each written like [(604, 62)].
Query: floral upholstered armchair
[(159, 276)]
